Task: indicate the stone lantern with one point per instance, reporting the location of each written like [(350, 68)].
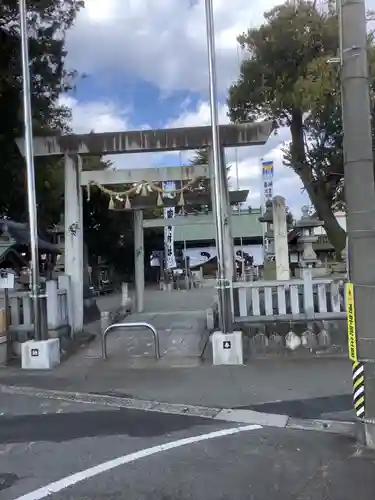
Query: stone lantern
[(57, 233), (307, 225)]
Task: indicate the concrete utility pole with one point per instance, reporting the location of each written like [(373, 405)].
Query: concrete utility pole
[(359, 193)]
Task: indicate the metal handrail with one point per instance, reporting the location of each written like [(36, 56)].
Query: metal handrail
[(137, 324)]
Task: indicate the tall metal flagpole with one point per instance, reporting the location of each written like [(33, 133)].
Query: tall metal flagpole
[(29, 154), (225, 316)]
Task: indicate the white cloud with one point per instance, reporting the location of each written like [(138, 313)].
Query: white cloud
[(107, 116), (99, 116), (201, 115), (162, 41)]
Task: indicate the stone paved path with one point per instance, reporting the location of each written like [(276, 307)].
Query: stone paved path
[(179, 318), (158, 301)]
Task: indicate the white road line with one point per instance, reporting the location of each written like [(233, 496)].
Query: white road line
[(68, 481)]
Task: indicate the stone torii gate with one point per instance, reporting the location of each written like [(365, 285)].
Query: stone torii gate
[(146, 191), (73, 146)]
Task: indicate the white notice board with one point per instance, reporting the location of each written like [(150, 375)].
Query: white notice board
[(6, 280)]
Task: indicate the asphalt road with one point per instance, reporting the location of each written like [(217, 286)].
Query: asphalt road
[(140, 455), (339, 407)]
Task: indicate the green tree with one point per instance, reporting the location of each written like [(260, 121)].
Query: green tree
[(282, 54), (200, 157), (107, 233), (323, 126), (48, 22)]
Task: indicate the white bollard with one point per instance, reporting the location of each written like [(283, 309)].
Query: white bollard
[(126, 301), (105, 320)]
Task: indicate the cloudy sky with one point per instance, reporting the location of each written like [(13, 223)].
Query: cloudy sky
[(145, 63)]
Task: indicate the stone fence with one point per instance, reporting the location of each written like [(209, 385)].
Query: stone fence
[(58, 309), (296, 300)]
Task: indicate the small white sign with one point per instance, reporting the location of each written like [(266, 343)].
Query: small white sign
[(6, 280)]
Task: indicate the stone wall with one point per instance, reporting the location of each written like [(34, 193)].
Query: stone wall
[(316, 338)]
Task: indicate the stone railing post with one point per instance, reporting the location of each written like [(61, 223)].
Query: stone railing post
[(64, 283), (53, 306)]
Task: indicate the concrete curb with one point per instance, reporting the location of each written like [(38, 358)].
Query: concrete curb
[(219, 414), (331, 426), (251, 416)]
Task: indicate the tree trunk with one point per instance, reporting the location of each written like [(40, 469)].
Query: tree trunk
[(335, 233)]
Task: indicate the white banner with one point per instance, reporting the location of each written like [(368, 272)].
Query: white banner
[(169, 213), (267, 178), (201, 255)]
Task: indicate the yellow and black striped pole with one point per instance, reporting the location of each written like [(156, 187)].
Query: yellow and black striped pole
[(359, 389), (358, 368)]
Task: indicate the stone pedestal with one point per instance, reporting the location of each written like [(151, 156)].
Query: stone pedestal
[(269, 271), (227, 349), (40, 355)]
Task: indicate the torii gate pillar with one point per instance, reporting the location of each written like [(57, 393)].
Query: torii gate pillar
[(139, 261), (74, 237)]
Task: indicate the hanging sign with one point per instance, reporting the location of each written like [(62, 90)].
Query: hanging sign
[(6, 280), (169, 213), (267, 178), (352, 335)]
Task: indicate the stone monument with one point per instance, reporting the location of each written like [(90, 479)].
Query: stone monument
[(269, 272), (280, 231)]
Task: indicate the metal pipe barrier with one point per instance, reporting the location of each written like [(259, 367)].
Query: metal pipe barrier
[(138, 324)]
